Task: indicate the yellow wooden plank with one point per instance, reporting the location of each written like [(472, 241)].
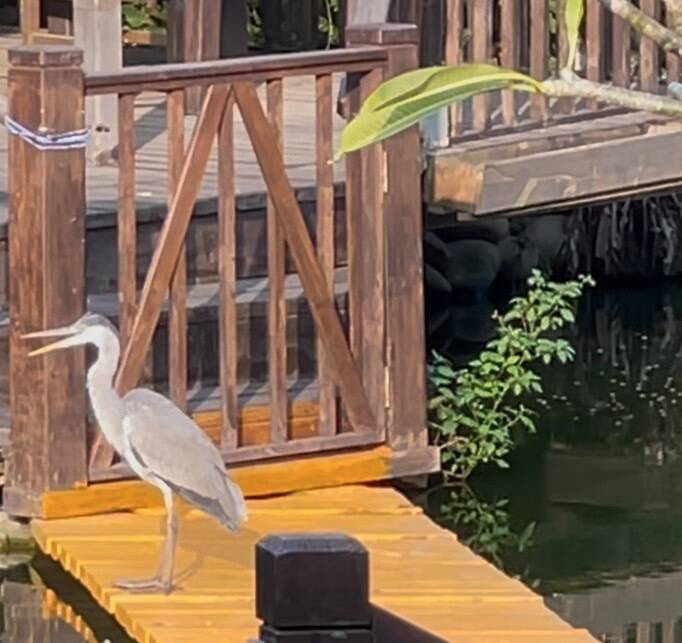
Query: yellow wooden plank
[(419, 571), (257, 480)]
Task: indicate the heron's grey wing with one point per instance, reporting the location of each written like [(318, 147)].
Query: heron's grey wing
[(174, 449)]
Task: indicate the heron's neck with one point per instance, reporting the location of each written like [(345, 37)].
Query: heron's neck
[(101, 373), (107, 404)]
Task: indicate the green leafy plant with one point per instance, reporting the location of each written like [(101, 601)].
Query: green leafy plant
[(404, 100), (328, 21), (142, 14), (484, 526), (475, 409)]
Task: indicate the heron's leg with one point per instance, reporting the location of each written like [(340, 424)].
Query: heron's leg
[(167, 562), (162, 581)]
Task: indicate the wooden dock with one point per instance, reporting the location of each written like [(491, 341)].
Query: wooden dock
[(431, 585)]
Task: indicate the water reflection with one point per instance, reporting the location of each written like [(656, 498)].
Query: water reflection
[(27, 617), (591, 514), (41, 603)]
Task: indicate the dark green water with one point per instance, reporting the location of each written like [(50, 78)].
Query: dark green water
[(23, 618), (590, 512)]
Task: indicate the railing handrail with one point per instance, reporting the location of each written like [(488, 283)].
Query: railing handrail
[(252, 68)]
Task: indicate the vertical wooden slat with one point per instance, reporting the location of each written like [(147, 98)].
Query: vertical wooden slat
[(325, 235), (620, 32), (364, 215), (564, 105), (177, 319), (648, 52), (643, 632), (594, 43), (453, 54), (672, 62), (539, 54), (510, 42), (482, 27), (127, 287), (227, 319), (277, 367), (29, 16)]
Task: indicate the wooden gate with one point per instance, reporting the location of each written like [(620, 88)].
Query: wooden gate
[(370, 372)]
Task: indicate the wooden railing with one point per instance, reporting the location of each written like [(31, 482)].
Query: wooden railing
[(373, 366), (522, 34)]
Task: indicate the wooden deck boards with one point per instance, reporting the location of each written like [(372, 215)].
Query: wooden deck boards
[(151, 160), (419, 572)]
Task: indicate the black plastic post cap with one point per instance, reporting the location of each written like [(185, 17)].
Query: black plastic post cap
[(312, 580)]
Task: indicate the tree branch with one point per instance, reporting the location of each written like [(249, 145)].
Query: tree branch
[(647, 26), (576, 87)]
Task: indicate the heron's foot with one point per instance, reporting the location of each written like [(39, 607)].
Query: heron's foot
[(154, 585)]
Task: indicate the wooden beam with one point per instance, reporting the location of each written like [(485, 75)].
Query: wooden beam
[(498, 179), (284, 476), (47, 270)]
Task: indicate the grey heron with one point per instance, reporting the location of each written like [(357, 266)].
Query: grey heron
[(160, 443)]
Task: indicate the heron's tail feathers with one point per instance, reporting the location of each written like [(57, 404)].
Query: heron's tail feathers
[(233, 504)]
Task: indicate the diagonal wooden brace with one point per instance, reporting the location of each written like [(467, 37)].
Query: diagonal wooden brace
[(343, 368)]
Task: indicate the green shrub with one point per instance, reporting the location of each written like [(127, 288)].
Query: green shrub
[(475, 409)]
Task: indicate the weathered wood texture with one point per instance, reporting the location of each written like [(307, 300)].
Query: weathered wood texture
[(277, 357), (561, 164), (47, 213), (426, 585), (227, 271), (325, 233), (366, 248), (405, 344)]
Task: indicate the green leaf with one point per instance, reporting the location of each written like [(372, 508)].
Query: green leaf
[(573, 16), (403, 101)]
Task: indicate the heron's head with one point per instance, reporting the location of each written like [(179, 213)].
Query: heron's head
[(89, 329)]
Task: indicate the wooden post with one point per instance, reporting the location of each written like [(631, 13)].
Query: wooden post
[(405, 346), (29, 18), (97, 31), (47, 277), (201, 30), (313, 588)]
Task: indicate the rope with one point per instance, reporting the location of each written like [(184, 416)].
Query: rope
[(44, 142)]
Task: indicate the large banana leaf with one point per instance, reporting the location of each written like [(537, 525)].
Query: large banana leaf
[(573, 15), (404, 100)]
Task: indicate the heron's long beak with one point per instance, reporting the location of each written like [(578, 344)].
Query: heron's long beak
[(63, 331)]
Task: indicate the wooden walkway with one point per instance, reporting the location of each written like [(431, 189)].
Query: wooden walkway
[(420, 574), (151, 156)]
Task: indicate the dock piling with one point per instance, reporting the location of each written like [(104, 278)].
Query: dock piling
[(313, 588)]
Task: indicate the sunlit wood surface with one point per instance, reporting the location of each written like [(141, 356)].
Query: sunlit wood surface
[(420, 573)]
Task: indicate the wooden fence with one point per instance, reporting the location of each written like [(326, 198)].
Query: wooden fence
[(529, 35), (374, 365)]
